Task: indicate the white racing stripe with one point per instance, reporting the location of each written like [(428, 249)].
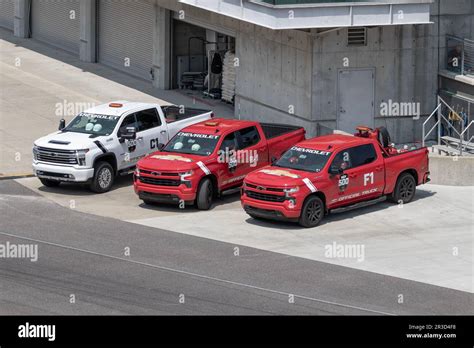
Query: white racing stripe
[(310, 185), (204, 168)]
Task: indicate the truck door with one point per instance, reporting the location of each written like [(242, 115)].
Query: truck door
[(253, 149), (151, 132), (131, 149), (369, 171), (230, 170), (362, 178)]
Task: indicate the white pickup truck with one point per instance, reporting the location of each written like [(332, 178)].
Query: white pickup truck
[(107, 140)]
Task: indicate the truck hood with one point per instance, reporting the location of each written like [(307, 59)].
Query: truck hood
[(67, 140), (170, 161), (278, 177)]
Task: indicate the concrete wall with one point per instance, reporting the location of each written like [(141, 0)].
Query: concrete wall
[(405, 62)]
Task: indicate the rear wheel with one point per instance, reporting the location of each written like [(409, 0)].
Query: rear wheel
[(103, 177), (50, 183), (204, 195), (405, 189), (312, 212)]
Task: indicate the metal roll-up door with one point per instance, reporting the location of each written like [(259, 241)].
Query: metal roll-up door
[(7, 12), (126, 36), (57, 23)]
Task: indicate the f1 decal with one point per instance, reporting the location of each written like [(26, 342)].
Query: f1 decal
[(369, 177)]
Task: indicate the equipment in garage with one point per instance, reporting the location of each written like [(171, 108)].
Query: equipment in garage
[(56, 24), (125, 30), (7, 9), (200, 55)]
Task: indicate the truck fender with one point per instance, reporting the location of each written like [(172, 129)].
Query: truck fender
[(108, 157), (321, 195)]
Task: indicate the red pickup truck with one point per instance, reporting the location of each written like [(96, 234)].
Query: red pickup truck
[(334, 173), (205, 159)]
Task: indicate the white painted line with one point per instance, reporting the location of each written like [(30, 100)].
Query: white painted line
[(200, 275)]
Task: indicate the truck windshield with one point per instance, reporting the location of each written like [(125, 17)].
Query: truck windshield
[(300, 158), (92, 124), (193, 143)]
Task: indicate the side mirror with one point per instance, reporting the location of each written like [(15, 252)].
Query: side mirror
[(335, 171), (160, 146), (274, 159), (129, 134), (62, 124)]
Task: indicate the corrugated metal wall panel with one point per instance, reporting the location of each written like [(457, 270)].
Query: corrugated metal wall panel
[(126, 36), (57, 23), (7, 12)]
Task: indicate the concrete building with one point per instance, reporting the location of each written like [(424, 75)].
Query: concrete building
[(320, 64)]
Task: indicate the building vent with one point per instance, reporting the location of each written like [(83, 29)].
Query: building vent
[(357, 37)]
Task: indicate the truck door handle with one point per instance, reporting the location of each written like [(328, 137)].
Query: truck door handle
[(378, 168), (140, 138), (352, 175), (163, 132)]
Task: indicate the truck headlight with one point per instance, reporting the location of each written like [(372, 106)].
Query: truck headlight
[(137, 172), (185, 178), (81, 156), (291, 190), (186, 175)]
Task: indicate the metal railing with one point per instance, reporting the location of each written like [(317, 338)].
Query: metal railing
[(462, 143), (460, 55)]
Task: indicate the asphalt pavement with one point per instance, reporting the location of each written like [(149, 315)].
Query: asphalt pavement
[(115, 267)]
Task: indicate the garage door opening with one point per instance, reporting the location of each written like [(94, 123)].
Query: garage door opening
[(203, 62)]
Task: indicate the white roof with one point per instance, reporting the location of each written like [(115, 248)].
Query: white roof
[(106, 109)]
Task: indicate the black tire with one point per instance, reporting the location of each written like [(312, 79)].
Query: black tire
[(205, 194), (312, 212), (404, 190), (50, 183), (103, 179)]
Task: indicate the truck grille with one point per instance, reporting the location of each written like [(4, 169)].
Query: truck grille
[(56, 156), (159, 182), (265, 197), (156, 173)]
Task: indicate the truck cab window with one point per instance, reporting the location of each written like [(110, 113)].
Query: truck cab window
[(354, 157), (147, 119), (229, 143), (363, 154), (129, 121), (248, 137)]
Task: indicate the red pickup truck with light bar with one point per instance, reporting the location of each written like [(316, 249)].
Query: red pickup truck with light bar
[(203, 160), (334, 173)]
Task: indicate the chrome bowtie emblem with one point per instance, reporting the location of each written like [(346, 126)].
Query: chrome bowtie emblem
[(261, 188)]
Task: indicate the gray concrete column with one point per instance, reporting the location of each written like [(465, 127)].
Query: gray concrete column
[(21, 21), (162, 48), (88, 17)]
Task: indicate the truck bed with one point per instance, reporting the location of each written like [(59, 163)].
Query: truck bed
[(172, 113), (280, 137), (272, 130)]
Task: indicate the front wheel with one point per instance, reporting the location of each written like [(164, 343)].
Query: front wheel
[(50, 183), (312, 212), (204, 195), (103, 177), (405, 189)]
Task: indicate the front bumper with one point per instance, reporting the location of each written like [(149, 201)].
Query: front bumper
[(270, 210), (163, 194), (62, 173)]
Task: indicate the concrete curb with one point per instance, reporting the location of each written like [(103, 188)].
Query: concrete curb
[(16, 176)]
